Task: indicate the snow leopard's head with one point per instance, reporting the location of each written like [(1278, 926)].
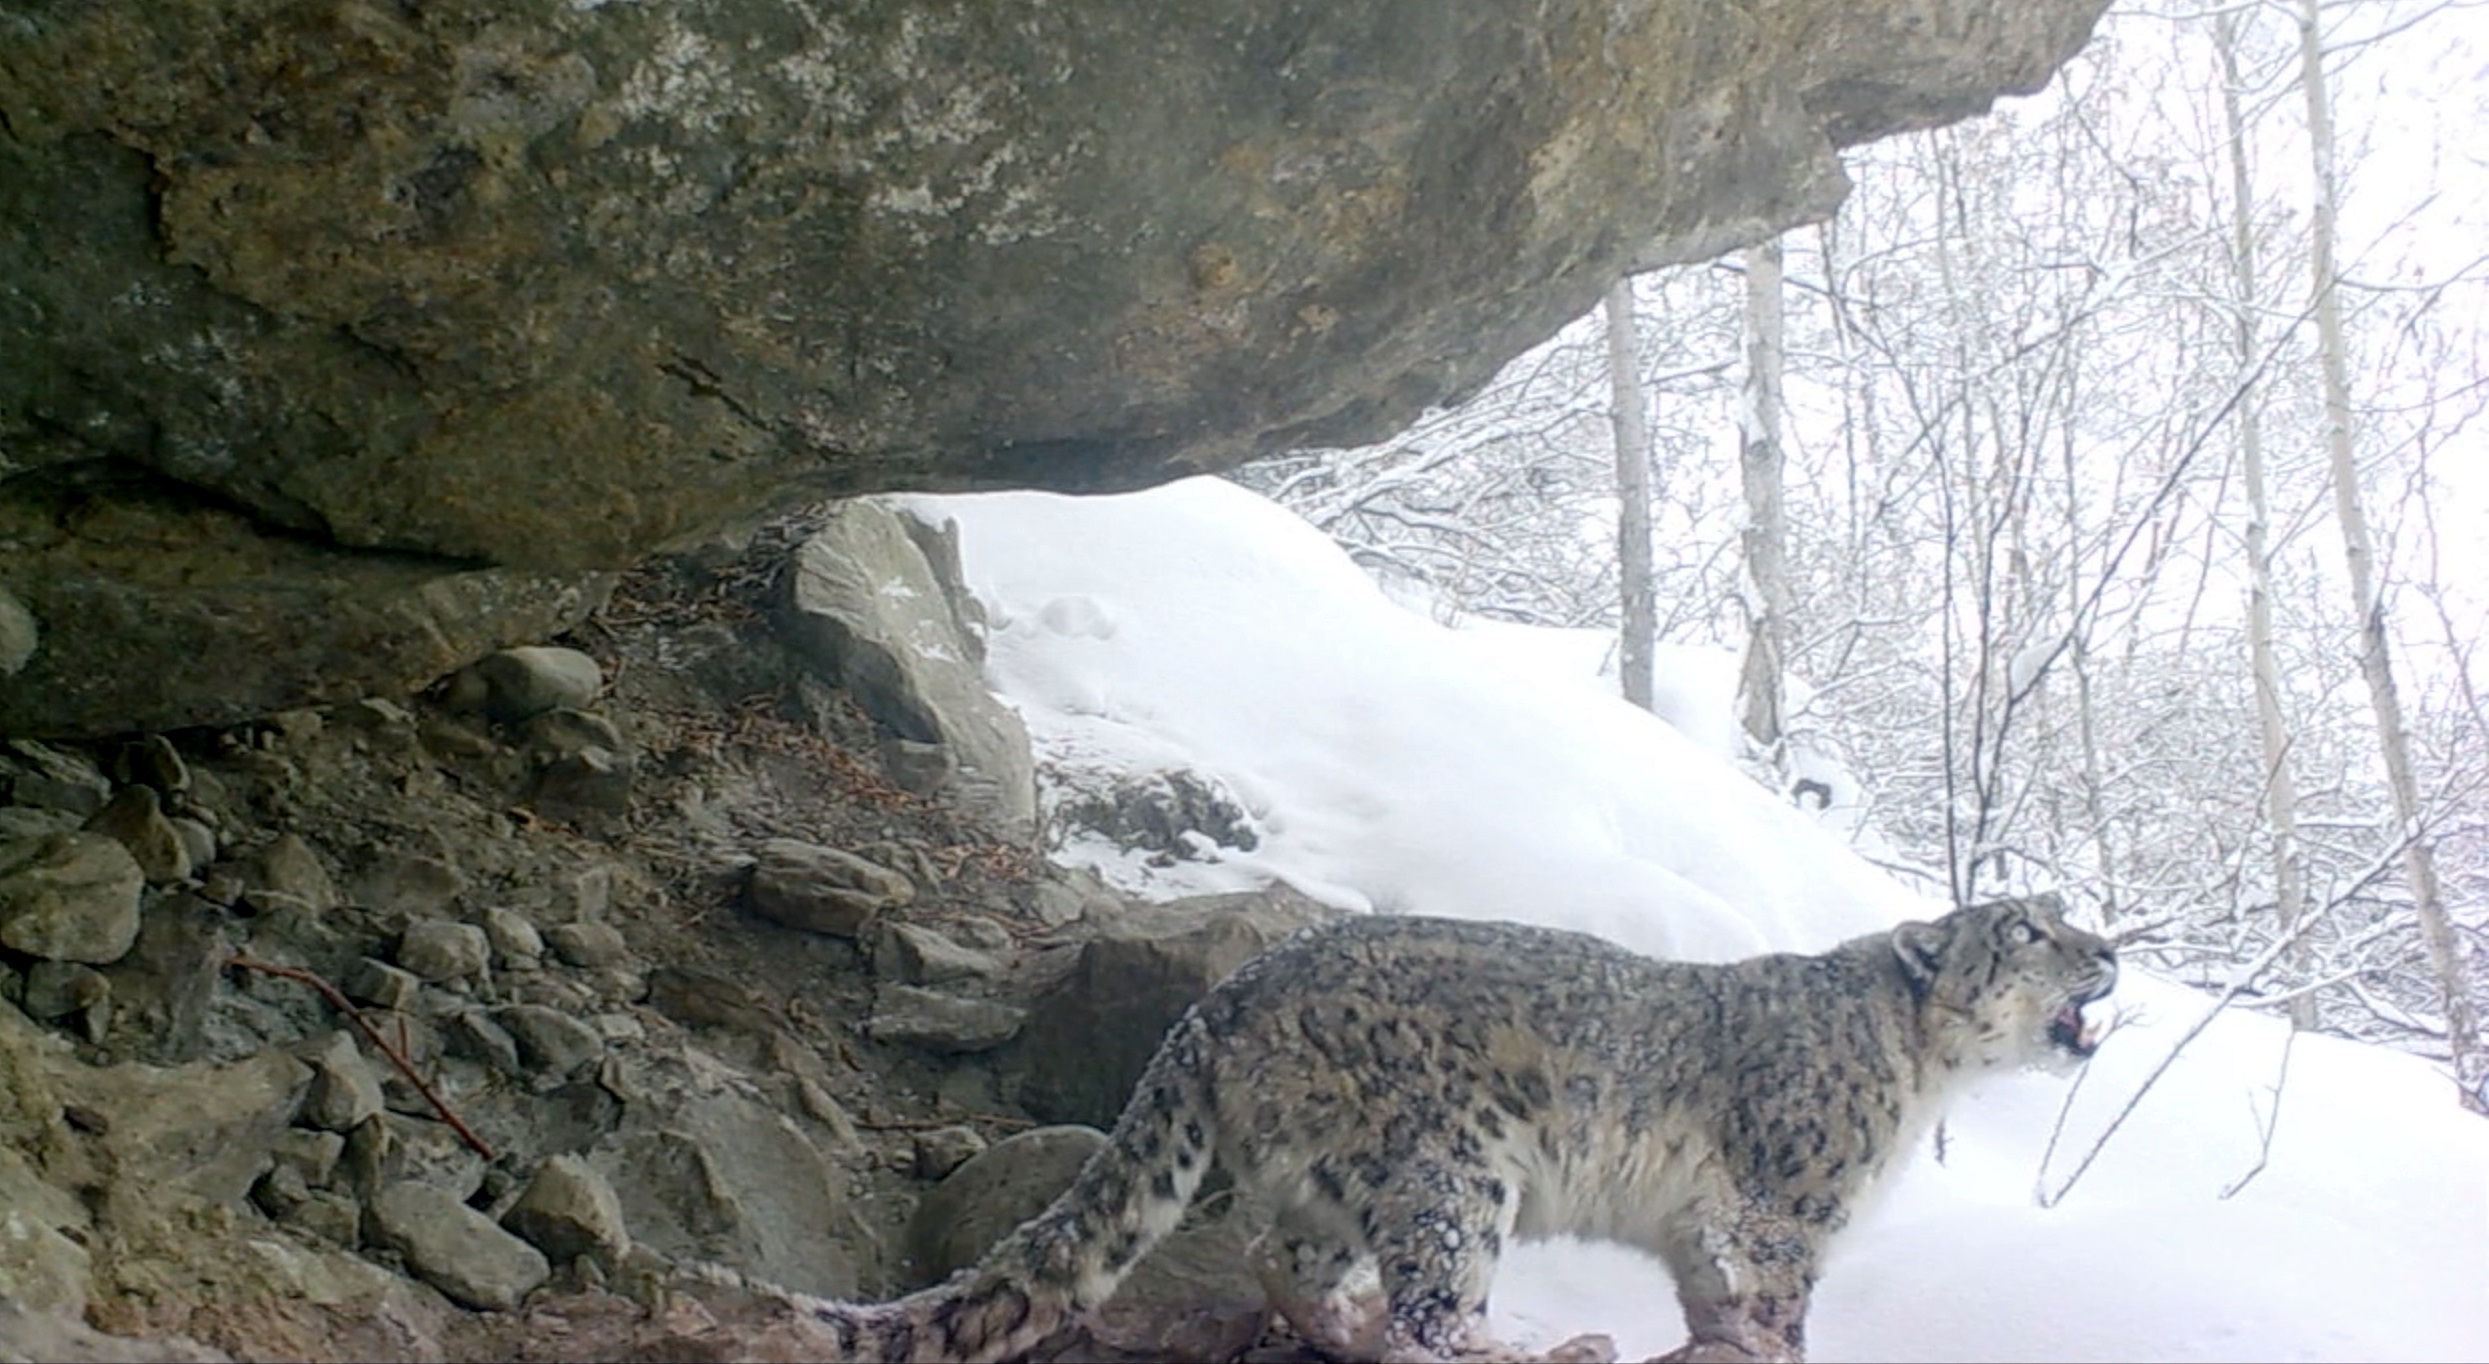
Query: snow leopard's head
[(2004, 984)]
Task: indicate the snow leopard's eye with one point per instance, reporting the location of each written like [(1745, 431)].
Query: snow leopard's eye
[(2026, 932)]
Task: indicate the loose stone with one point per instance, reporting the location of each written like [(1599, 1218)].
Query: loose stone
[(344, 1091), (588, 945), (134, 817), (453, 1247), (442, 950), (69, 897), (570, 1210), (513, 684), (516, 943)]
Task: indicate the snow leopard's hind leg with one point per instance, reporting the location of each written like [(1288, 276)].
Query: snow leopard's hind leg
[(1317, 1274)]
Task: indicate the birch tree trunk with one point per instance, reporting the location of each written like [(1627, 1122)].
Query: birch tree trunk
[(1765, 598), (2445, 950), (1633, 495), (2281, 792)]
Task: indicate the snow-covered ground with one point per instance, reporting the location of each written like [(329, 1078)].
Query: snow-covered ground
[(1391, 763)]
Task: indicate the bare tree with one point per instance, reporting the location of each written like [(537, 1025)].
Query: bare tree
[(2471, 1067), (2281, 791), (1639, 628), (1765, 596), (2022, 623)]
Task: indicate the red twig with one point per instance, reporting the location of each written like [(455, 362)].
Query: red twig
[(338, 1000)]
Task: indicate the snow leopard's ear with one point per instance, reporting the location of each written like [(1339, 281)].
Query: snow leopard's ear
[(1920, 947)]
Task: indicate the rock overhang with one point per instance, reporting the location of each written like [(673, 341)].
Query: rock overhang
[(537, 289)]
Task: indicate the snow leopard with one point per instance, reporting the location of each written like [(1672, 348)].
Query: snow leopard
[(1398, 1098)]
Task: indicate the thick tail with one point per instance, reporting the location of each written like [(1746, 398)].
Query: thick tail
[(1037, 1281)]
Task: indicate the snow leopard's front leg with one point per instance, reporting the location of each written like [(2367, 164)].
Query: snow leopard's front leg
[(1745, 1271)]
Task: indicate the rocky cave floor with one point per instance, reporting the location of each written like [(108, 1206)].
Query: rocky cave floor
[(701, 983)]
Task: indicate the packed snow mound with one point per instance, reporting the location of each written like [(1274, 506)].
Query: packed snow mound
[(1387, 762), (1694, 689)]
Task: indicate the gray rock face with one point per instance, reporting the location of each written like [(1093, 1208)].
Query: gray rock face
[(330, 1215), (728, 1180), (823, 890), (944, 1149), (476, 1036), (546, 285), (391, 1148), (310, 1155), (453, 1247), (866, 609), (592, 781), (198, 841), (377, 982), (567, 730), (40, 1268), (177, 1131), (191, 614), (69, 897), (411, 883), (25, 821), (162, 990)]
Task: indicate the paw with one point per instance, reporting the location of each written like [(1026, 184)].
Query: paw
[(1716, 1351), (1340, 1325), (1582, 1349)]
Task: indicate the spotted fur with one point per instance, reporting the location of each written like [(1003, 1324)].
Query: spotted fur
[(1400, 1097)]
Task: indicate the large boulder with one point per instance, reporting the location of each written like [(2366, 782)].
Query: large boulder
[(1088, 1037), (869, 609), (69, 897), (1193, 1297), (453, 1247), (311, 316), (995, 1191), (168, 1134), (701, 1169)]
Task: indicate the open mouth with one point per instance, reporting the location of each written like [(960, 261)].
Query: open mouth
[(2072, 1032)]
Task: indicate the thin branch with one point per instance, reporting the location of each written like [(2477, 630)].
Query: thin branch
[(2267, 1123), (339, 1002), (2238, 984)]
